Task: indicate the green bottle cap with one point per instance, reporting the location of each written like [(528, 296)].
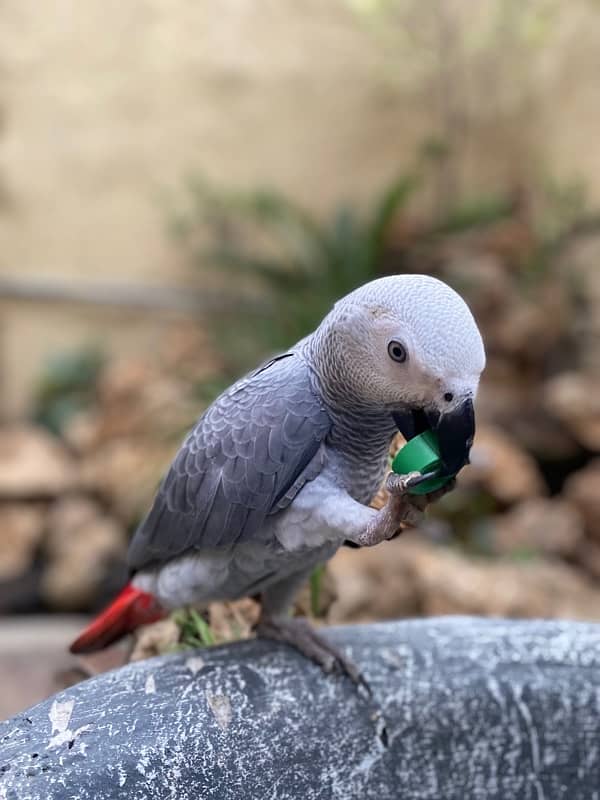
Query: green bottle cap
[(421, 454)]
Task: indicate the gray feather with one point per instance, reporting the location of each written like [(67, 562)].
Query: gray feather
[(247, 457)]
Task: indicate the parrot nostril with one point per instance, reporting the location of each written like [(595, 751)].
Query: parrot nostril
[(448, 397)]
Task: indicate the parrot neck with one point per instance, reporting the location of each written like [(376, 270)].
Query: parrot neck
[(360, 436), (359, 443), (332, 382)]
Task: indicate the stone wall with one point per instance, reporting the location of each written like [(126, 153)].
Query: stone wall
[(106, 107)]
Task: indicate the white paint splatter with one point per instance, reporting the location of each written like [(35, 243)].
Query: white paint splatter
[(150, 687), (122, 775), (220, 706), (143, 764), (60, 716), (194, 664), (533, 740)]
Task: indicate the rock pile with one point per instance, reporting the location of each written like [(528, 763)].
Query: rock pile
[(523, 524), (68, 503)]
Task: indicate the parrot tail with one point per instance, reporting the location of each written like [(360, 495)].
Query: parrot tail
[(131, 608)]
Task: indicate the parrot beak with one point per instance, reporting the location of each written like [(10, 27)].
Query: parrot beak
[(411, 422), (455, 432)]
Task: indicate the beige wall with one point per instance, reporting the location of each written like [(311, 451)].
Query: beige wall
[(106, 105)]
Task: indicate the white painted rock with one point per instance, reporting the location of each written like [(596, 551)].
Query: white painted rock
[(471, 708)]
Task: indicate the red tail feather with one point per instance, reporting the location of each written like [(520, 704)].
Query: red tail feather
[(131, 608)]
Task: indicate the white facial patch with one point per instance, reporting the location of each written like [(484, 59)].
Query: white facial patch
[(443, 330)]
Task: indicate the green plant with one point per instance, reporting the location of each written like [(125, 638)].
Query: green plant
[(282, 268), (475, 212), (195, 631), (315, 590), (66, 386)]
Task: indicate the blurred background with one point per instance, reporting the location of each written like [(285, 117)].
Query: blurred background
[(187, 187)]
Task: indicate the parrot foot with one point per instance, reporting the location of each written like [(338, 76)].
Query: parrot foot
[(401, 510), (300, 634), (399, 485)]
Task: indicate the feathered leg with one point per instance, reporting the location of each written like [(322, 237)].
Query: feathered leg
[(274, 623)]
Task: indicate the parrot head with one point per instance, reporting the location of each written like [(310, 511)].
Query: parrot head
[(407, 345)]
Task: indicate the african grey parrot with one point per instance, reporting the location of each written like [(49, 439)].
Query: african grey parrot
[(279, 471)]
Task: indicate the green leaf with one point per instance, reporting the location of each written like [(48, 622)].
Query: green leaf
[(476, 212), (315, 590), (393, 199), (204, 632)]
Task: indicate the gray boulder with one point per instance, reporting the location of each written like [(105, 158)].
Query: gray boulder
[(461, 708)]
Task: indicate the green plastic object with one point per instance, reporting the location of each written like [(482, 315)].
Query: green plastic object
[(421, 454)]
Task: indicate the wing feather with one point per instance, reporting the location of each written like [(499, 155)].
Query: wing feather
[(247, 457)]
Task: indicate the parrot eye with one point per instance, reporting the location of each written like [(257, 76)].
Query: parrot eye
[(397, 352)]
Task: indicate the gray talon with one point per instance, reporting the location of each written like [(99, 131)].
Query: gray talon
[(300, 634), (400, 484)]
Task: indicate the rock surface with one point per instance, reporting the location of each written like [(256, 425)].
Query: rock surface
[(22, 529), (82, 544), (583, 490), (410, 577), (503, 468), (539, 525), (575, 400), (461, 708), (33, 464)]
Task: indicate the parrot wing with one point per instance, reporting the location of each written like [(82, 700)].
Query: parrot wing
[(247, 457)]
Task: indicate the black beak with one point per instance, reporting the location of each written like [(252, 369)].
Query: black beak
[(411, 422), (455, 431)]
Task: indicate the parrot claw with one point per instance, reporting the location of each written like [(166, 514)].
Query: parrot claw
[(398, 485), (300, 634)]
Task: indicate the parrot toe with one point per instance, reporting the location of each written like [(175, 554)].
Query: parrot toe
[(299, 633)]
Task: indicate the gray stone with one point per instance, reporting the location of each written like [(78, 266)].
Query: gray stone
[(470, 708)]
